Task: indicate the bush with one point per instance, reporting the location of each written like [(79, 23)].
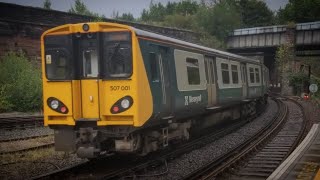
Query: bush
[(298, 81), (20, 84)]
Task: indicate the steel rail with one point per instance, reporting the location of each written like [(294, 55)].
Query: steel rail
[(18, 122), (130, 170), (199, 142), (222, 162)]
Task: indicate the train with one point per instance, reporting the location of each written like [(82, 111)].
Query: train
[(110, 88)]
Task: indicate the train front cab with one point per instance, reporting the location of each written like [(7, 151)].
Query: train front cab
[(93, 77)]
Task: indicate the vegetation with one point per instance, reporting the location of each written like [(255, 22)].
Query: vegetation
[(81, 8), (300, 11), (255, 13), (20, 84), (298, 81), (214, 19), (47, 4), (316, 80), (124, 16)]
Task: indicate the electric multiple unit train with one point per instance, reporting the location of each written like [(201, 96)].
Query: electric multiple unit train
[(112, 88)]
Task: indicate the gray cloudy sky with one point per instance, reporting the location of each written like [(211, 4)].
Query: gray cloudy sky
[(106, 7)]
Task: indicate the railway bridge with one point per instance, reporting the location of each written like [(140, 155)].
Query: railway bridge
[(262, 42)]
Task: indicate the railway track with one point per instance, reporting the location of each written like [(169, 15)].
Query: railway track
[(20, 122), (264, 162), (24, 138), (136, 167), (46, 145), (26, 144), (261, 164)]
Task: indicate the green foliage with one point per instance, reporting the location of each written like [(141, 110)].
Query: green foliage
[(298, 81), (284, 55), (300, 11), (47, 4), (214, 17), (316, 80), (20, 83), (255, 13), (179, 21), (211, 41), (124, 16), (220, 19), (157, 12), (81, 9)]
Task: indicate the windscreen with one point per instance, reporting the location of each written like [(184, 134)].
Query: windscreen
[(89, 55), (117, 55)]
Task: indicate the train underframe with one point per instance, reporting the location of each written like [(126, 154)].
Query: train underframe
[(90, 141)]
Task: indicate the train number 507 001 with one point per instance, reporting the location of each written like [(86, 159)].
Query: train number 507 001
[(121, 88)]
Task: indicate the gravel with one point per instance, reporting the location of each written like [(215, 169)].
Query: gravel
[(34, 163), (37, 162), (185, 164), (14, 134), (11, 146)]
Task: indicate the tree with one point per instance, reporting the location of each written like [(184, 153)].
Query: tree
[(300, 11), (81, 9), (179, 21), (47, 4), (186, 7), (219, 20), (255, 13), (124, 17)]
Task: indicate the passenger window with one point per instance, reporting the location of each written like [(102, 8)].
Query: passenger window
[(225, 73), (154, 66), (193, 71), (251, 75), (235, 79), (257, 75)]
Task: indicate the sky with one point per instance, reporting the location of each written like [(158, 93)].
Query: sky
[(107, 7)]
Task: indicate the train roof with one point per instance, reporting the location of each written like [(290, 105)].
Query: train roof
[(143, 33)]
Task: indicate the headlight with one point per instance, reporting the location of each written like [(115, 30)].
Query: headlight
[(125, 103), (54, 104), (85, 27)]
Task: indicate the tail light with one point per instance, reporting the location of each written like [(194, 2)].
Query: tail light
[(56, 105)]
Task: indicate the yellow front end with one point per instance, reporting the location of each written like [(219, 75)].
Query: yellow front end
[(91, 98)]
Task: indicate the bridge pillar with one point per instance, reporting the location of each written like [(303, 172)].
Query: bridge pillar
[(288, 65)]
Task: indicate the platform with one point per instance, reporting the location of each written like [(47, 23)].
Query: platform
[(304, 161)]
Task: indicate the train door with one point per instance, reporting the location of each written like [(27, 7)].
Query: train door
[(164, 67), (211, 85), (88, 54), (160, 79), (244, 81)]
